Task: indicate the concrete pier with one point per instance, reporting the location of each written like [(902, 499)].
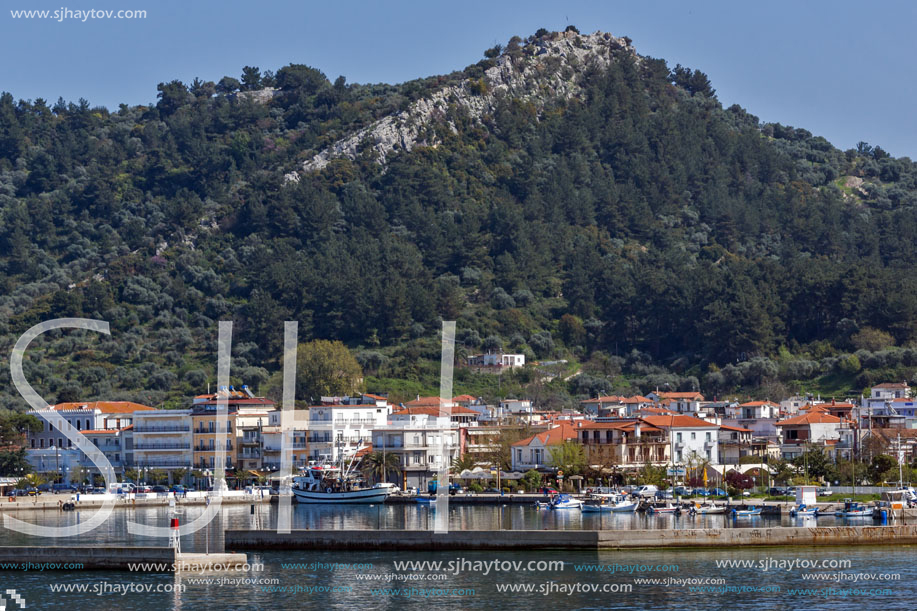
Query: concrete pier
[(112, 558), (123, 501), (399, 540)]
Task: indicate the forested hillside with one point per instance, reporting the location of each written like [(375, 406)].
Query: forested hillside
[(629, 223)]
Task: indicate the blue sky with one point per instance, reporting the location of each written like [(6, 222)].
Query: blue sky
[(844, 70)]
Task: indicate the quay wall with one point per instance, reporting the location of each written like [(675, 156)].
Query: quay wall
[(398, 540)]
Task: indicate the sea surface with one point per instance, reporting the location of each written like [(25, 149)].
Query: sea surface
[(771, 578)]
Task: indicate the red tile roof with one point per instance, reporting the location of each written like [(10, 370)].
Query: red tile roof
[(657, 410), (608, 399), (555, 436), (636, 399), (758, 404), (678, 421), (696, 396), (106, 407), (892, 385), (426, 402), (813, 417), (464, 399), (734, 428)]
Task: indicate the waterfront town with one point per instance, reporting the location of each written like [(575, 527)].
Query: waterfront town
[(612, 439)]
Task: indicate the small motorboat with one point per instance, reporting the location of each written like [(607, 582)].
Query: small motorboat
[(669, 509), (801, 511), (746, 513), (704, 510), (423, 500), (565, 501), (595, 507)]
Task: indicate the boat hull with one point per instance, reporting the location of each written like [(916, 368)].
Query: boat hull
[(370, 495)]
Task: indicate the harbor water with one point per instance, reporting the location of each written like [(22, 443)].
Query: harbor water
[(781, 578)]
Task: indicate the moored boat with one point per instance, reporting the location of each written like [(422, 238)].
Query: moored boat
[(746, 513), (803, 511), (702, 510), (327, 484), (565, 501), (669, 509), (852, 509)]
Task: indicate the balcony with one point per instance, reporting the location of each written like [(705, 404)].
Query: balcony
[(165, 462), (162, 429), (163, 446)]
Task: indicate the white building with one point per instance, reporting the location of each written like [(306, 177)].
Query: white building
[(535, 452), (272, 438), (499, 360), (339, 429), (424, 442), (689, 437)]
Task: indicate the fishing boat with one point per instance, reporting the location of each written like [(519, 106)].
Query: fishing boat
[(565, 501), (801, 511), (746, 513), (852, 509), (336, 483), (597, 506), (424, 500), (703, 510)]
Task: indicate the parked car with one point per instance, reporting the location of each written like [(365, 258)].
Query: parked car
[(664, 494), (58, 488), (98, 491), (791, 491), (823, 492), (684, 490), (492, 491), (160, 489), (701, 492), (776, 491), (178, 489), (143, 489), (44, 487), (718, 492)]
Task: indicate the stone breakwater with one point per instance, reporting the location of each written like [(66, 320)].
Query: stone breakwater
[(407, 540)]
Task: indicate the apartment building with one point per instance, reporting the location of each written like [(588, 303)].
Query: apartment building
[(162, 440), (340, 429)]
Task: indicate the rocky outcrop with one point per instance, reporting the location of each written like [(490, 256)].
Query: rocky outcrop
[(542, 69)]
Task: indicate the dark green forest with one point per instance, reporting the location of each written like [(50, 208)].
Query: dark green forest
[(642, 231)]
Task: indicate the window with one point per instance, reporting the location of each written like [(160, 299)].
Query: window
[(60, 442), (42, 442), (708, 435), (33, 443), (69, 443), (87, 425), (677, 437), (693, 435)]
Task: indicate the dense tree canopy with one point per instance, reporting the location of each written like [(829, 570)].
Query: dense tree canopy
[(642, 227)]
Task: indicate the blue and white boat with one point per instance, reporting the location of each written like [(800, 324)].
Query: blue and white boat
[(801, 511), (746, 513), (852, 509), (565, 501)]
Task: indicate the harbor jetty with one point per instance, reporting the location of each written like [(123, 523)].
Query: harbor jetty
[(427, 540)]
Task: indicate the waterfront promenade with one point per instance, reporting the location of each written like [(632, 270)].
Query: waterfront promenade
[(125, 501)]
